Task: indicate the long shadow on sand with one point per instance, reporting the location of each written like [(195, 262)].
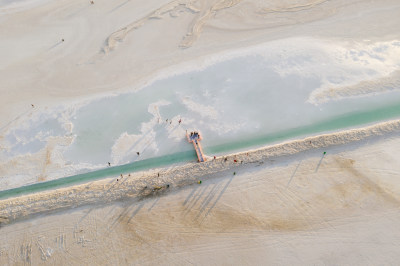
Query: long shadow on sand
[(294, 173), (319, 163), (219, 197), (205, 201)]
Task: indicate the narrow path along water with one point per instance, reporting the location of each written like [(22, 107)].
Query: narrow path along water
[(342, 122)]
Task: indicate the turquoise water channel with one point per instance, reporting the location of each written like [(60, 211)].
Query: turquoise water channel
[(351, 120)]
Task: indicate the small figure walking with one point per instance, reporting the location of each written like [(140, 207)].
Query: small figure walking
[(180, 121), (138, 153), (234, 173), (33, 106), (158, 174), (109, 164)]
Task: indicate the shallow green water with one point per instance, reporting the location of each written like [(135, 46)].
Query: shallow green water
[(346, 121), (341, 122)]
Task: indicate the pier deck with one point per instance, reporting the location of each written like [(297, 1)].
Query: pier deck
[(195, 137)]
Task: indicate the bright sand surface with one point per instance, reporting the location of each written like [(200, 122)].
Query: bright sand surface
[(276, 66)]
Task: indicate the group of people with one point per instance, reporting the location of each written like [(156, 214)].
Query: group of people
[(170, 121), (194, 134)]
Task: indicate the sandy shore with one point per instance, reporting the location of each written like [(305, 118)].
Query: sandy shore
[(287, 204)]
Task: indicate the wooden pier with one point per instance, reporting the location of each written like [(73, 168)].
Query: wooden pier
[(194, 137)]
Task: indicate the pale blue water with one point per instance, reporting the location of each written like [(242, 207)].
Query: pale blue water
[(250, 99)]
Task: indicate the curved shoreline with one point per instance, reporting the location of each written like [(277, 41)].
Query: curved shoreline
[(145, 184)]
